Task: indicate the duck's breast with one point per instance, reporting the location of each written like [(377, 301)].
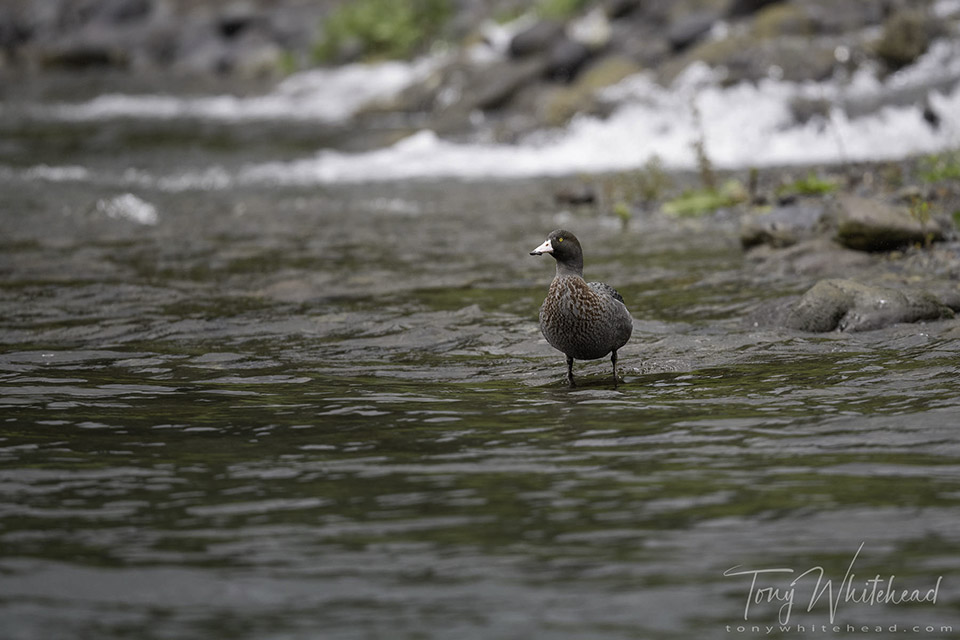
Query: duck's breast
[(582, 320)]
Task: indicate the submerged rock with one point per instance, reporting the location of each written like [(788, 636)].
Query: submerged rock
[(846, 305), (818, 256), (871, 225), (782, 227)]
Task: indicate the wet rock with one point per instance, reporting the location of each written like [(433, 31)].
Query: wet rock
[(648, 50), (560, 104), (565, 59), (575, 195), (829, 16), (495, 86), (846, 305), (690, 28), (262, 59), (818, 256), (740, 8), (871, 225), (120, 11), (83, 52), (198, 51), (937, 264), (13, 30), (621, 8), (538, 38), (805, 108), (907, 35), (237, 18), (930, 115), (783, 19), (793, 58), (782, 227)]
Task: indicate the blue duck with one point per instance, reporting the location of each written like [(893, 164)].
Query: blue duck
[(584, 320)]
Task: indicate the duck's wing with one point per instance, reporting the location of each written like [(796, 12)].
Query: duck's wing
[(605, 290)]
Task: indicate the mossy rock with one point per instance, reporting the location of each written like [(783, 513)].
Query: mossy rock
[(778, 20), (562, 103), (906, 36), (798, 58)]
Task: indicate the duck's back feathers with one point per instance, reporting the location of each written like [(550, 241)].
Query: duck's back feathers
[(605, 290)]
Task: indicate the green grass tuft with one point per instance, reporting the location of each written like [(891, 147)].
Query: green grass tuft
[(383, 29), (811, 185), (941, 166), (702, 201), (559, 9)]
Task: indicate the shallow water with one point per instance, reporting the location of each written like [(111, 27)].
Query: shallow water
[(328, 413)]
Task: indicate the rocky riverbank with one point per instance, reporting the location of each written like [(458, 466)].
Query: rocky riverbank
[(541, 64), (868, 244)]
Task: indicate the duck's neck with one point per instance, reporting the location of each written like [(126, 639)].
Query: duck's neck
[(570, 269)]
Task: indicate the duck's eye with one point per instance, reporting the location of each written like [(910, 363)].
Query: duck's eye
[(559, 239)]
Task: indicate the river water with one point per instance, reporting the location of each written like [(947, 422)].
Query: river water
[(266, 410)]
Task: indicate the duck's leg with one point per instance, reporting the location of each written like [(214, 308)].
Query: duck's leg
[(613, 359), (570, 371)]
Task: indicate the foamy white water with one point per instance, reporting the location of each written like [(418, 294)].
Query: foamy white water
[(745, 125), (327, 95)]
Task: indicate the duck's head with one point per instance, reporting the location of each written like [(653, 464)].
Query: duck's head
[(565, 249)]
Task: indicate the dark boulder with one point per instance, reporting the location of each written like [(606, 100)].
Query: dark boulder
[(122, 11), (871, 225), (846, 305), (740, 8), (620, 8), (538, 38), (691, 28), (906, 36), (565, 59)]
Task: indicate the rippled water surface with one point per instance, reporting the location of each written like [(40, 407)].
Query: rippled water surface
[(328, 413)]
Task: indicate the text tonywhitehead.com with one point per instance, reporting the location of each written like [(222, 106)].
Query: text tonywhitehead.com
[(755, 629)]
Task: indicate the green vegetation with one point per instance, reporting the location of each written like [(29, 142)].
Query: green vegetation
[(559, 9), (811, 185), (920, 210), (645, 185), (382, 29), (652, 180), (700, 201), (622, 210), (288, 63), (941, 166), (704, 165)]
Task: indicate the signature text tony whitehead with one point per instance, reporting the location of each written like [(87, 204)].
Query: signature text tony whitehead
[(871, 592)]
